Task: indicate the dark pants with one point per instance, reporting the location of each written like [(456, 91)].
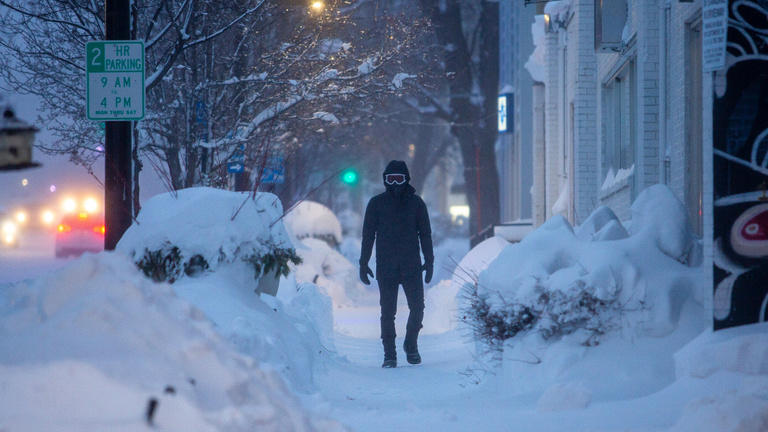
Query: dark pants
[(414, 292)]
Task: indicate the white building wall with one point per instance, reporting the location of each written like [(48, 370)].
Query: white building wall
[(647, 158), (552, 136), (575, 129), (585, 111)]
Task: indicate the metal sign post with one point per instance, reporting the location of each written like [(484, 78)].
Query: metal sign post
[(117, 63)]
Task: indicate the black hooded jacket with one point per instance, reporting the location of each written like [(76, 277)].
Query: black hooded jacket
[(398, 221)]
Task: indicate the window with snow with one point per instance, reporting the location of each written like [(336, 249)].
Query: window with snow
[(619, 113)]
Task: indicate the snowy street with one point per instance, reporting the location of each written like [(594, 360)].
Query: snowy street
[(33, 258)]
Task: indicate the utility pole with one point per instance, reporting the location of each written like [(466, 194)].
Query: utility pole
[(118, 202)]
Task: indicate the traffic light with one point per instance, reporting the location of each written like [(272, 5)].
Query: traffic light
[(350, 176)]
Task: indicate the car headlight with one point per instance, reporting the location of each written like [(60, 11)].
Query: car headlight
[(8, 232), (9, 227)]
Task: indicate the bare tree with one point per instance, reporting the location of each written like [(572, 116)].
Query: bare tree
[(467, 37), (259, 72)]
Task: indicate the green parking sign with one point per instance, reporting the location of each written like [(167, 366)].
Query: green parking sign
[(115, 80)]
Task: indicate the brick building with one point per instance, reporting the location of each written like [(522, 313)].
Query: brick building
[(609, 99)]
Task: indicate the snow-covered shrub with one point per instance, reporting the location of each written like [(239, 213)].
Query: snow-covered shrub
[(556, 282), (312, 219), (193, 230), (275, 261), (325, 267), (552, 314), (161, 265)]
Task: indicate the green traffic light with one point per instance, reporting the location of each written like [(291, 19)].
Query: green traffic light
[(349, 176)]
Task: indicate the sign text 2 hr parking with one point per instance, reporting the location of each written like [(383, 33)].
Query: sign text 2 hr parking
[(115, 80)]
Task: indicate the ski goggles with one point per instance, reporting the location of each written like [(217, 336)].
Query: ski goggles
[(394, 179)]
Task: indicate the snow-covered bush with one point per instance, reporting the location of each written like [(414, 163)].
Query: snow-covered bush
[(556, 282), (553, 314), (325, 267), (312, 219), (198, 229)]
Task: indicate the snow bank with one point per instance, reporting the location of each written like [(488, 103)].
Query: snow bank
[(567, 396), (741, 353), (440, 307), (659, 216), (742, 350), (730, 412), (87, 346), (312, 219), (637, 272), (601, 225), (600, 304), (445, 300), (288, 334), (325, 267), (220, 226)]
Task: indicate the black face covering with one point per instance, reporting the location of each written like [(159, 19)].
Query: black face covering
[(396, 190)]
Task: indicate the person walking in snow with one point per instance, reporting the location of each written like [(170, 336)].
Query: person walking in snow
[(398, 221)]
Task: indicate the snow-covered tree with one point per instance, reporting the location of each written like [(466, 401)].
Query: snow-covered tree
[(263, 71)]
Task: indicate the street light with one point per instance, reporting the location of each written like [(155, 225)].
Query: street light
[(317, 6)]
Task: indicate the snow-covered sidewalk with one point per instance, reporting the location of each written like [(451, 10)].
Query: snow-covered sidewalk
[(444, 393)]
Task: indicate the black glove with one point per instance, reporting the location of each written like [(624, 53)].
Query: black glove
[(365, 271), (428, 268)]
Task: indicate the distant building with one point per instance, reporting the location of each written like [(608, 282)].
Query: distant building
[(609, 99)]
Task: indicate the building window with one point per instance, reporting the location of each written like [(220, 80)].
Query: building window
[(619, 126)]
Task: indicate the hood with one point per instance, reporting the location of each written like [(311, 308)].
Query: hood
[(398, 167)]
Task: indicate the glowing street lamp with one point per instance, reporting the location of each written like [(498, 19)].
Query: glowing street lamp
[(317, 6)]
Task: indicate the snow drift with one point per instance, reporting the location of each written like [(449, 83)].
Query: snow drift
[(327, 268), (88, 346), (570, 308)]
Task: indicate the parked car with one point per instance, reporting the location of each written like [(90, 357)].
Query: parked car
[(78, 233)]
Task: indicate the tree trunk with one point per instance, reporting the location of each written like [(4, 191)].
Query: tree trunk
[(470, 122)]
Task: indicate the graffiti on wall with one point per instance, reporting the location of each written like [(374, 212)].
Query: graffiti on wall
[(740, 147)]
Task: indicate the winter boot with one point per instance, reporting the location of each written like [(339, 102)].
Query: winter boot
[(390, 353), (411, 351)]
